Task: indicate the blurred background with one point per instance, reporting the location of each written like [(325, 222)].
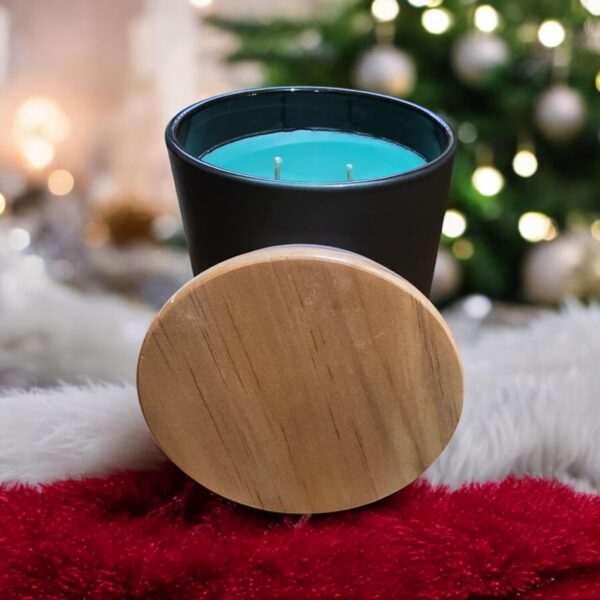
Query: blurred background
[(87, 88)]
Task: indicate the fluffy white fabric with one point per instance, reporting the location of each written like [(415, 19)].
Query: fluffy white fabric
[(532, 402), (50, 333), (71, 432)]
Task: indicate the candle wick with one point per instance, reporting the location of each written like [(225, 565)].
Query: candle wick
[(349, 169), (277, 165)]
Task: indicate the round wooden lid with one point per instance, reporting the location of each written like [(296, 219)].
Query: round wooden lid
[(300, 379)]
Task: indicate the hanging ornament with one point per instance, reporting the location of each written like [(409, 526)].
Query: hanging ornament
[(386, 69), (566, 267), (447, 276), (560, 113), (476, 55)]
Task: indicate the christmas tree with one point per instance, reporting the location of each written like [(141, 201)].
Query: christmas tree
[(519, 82)]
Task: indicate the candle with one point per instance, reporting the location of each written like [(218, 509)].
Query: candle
[(304, 165), (314, 156)]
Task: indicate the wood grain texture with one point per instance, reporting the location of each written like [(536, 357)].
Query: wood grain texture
[(300, 379)]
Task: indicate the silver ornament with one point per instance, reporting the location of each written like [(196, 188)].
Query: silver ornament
[(475, 55), (566, 267), (560, 113), (386, 69)]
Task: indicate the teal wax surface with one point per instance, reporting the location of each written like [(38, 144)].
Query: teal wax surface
[(314, 156)]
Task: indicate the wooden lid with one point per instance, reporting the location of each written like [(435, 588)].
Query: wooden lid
[(300, 379)]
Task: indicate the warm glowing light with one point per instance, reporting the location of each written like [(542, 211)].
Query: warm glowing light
[(385, 11), (486, 18), (18, 238), (41, 117), (536, 226), (551, 34), (595, 229), (525, 163), (454, 224), (592, 6), (424, 3), (488, 181), (2, 203), (463, 249), (37, 153), (436, 20), (60, 182), (598, 81), (39, 124), (201, 4)]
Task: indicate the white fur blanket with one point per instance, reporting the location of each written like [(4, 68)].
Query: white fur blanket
[(532, 402)]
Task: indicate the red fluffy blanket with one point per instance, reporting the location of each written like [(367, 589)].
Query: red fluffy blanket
[(158, 535)]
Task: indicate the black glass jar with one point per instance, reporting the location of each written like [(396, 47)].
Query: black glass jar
[(394, 220)]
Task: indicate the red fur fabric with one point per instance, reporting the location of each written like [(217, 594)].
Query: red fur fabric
[(158, 535)]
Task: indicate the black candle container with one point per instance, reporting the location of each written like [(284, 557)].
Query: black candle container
[(395, 220)]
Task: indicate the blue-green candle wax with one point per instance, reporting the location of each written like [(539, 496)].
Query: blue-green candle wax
[(314, 156)]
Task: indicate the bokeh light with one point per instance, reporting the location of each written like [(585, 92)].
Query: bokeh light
[(454, 224), (463, 249), (201, 4), (486, 18), (436, 20), (38, 153), (525, 163), (536, 226), (488, 181), (385, 11), (592, 6), (551, 34), (60, 182), (18, 238)]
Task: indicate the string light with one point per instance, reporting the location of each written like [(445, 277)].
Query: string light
[(536, 226), (486, 18), (37, 153), (551, 34), (18, 238), (488, 181), (385, 11), (525, 163), (201, 4), (598, 81), (592, 6), (424, 3), (463, 249), (595, 229), (60, 182), (38, 125), (454, 224), (436, 20), (40, 116), (2, 203)]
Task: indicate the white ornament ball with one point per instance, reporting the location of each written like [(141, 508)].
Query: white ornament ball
[(386, 69), (554, 271), (560, 113), (475, 55), (447, 276)]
